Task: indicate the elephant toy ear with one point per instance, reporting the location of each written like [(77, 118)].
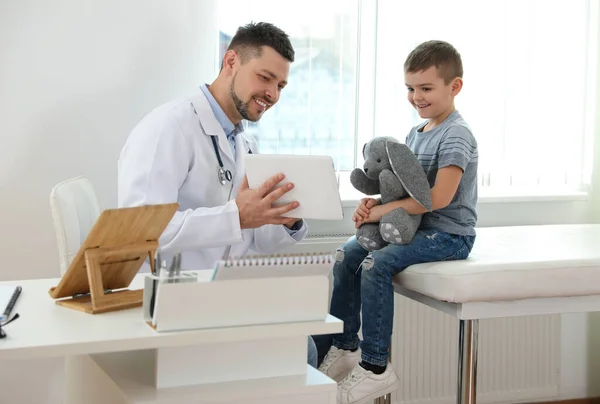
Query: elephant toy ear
[(409, 171)]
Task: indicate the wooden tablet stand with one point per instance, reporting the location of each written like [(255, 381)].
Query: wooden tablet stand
[(110, 257)]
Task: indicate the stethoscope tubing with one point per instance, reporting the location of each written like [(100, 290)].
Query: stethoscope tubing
[(224, 175)]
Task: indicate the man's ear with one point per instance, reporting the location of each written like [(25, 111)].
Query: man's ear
[(231, 60), (363, 151)]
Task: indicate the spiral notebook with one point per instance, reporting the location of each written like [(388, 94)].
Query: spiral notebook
[(274, 266)]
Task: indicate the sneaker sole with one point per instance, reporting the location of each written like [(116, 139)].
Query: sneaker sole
[(380, 393), (338, 378), (341, 376)]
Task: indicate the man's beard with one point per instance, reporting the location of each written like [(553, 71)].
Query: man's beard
[(241, 107)]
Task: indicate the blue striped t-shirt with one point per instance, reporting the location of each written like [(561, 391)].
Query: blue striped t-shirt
[(451, 143)]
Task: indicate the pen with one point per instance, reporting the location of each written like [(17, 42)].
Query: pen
[(13, 301), (157, 264), (158, 268), (174, 269), (177, 264)]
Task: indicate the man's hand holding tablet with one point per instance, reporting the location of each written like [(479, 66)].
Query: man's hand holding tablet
[(257, 206), (314, 180)]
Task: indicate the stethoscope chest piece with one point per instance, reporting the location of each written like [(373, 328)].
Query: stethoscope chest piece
[(224, 176)]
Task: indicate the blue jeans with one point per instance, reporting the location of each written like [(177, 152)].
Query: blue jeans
[(367, 278)]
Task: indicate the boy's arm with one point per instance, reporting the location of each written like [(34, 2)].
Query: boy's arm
[(446, 184), (456, 150)]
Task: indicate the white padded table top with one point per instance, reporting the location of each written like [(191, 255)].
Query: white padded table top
[(515, 263)]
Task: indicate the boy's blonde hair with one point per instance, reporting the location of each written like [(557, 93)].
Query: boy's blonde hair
[(440, 54)]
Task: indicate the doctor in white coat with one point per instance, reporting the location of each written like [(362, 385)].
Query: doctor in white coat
[(191, 151)]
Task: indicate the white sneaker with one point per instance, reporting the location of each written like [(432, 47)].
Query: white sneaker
[(362, 386), (339, 362)]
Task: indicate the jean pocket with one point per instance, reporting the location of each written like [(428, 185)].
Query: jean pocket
[(470, 242), (460, 254)]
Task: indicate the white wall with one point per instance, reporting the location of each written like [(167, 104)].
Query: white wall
[(75, 76)]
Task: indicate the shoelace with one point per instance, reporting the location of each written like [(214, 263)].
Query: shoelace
[(329, 358), (357, 374)]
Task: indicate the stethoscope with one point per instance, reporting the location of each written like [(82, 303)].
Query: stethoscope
[(224, 175)]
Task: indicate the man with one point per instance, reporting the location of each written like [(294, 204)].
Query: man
[(192, 152)]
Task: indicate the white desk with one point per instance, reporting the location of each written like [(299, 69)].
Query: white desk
[(110, 356)]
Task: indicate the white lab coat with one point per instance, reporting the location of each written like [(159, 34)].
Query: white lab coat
[(169, 157)]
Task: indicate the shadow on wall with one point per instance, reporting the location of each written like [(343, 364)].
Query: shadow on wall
[(72, 126)]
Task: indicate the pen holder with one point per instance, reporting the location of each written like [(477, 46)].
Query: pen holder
[(152, 284), (240, 302)]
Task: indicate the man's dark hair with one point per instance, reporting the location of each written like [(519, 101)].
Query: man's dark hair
[(249, 40), (440, 54)]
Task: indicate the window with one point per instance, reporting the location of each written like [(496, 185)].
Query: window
[(525, 82), (316, 111), (528, 85)]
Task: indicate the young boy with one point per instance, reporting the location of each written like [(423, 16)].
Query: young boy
[(447, 151)]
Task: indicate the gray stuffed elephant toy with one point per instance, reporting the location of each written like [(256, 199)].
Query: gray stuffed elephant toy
[(392, 170)]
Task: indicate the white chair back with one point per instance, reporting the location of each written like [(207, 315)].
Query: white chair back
[(74, 211)]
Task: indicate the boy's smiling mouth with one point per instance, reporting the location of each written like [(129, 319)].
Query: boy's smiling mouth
[(422, 105)]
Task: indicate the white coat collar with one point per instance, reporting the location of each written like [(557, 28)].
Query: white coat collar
[(210, 124)]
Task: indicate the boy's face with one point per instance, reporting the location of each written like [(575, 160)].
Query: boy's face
[(257, 84), (429, 94)]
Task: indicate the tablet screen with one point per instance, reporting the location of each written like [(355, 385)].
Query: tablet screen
[(314, 178)]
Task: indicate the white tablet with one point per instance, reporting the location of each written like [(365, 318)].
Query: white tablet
[(314, 178)]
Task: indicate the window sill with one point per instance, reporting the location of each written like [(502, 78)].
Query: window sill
[(504, 196), (515, 196)]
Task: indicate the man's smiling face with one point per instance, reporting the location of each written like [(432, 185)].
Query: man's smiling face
[(257, 84)]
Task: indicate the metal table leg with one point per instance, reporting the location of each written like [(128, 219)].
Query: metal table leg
[(467, 364), (387, 399), (467, 361)]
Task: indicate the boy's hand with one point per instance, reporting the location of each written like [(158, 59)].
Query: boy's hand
[(363, 210), (375, 215)]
